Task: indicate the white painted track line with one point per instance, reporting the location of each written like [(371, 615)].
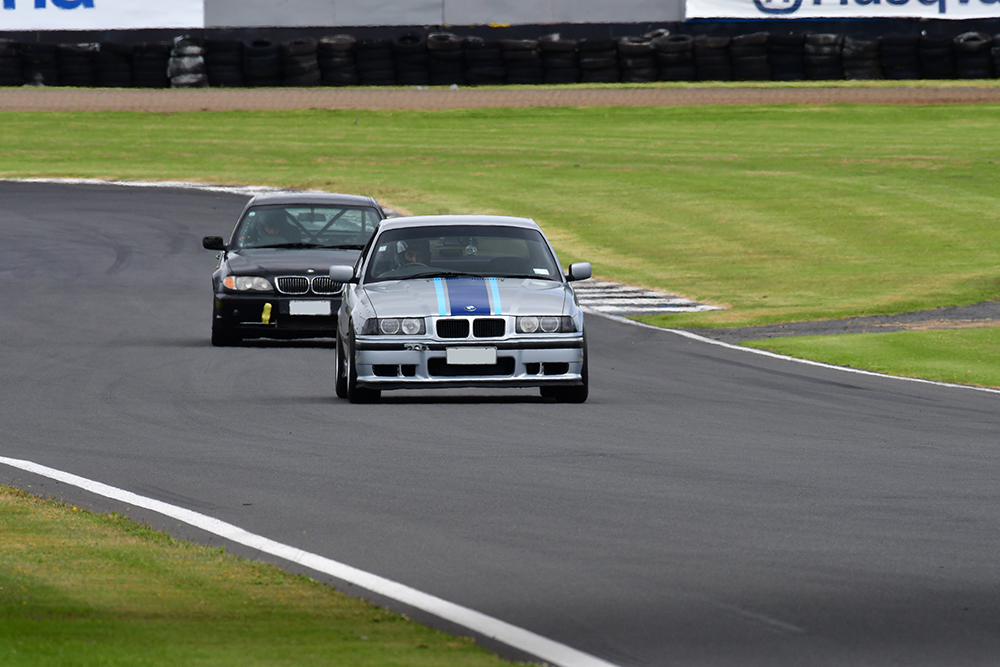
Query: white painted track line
[(545, 649)]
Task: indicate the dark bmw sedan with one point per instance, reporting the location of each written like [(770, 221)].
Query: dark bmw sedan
[(273, 280)]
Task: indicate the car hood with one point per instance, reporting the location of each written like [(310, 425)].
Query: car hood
[(274, 261), (455, 296)]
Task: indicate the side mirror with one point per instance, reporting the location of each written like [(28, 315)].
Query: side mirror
[(213, 243), (578, 271), (340, 273)]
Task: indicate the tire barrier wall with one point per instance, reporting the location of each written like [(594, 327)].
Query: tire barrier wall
[(444, 58)]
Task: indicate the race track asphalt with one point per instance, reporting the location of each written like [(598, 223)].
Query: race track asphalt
[(707, 506)]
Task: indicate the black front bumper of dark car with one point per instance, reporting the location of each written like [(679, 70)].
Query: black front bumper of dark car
[(248, 316)]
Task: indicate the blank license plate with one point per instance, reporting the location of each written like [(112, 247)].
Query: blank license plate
[(309, 308), (472, 356)]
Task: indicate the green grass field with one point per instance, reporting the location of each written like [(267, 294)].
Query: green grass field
[(965, 356), (82, 589)]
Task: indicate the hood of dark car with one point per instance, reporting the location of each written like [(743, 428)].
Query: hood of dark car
[(274, 261)]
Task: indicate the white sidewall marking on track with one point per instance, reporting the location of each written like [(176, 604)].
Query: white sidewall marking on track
[(774, 355), (511, 635)]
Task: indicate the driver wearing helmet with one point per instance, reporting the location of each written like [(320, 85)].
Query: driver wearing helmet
[(415, 251)]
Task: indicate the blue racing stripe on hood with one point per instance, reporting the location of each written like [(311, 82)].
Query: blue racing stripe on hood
[(468, 296), (439, 289)]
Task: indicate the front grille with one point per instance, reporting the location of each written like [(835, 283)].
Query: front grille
[(292, 284), (301, 285), (453, 328), (323, 285), (489, 328)]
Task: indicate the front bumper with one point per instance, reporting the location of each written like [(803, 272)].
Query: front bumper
[(414, 363), (269, 316)]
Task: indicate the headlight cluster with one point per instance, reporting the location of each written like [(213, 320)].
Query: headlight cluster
[(531, 324), (248, 283), (395, 326)]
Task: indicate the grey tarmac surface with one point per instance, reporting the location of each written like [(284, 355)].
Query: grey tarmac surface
[(707, 506)]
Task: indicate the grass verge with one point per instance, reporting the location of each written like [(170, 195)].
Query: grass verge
[(965, 356), (79, 588)]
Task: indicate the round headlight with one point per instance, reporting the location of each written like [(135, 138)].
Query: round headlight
[(529, 324), (389, 326), (261, 284), (550, 324), (411, 326)]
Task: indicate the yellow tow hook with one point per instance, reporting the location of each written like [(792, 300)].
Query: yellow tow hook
[(265, 317)]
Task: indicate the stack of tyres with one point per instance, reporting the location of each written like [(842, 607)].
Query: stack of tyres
[(900, 57), (224, 62), (559, 59), (637, 60), (149, 65), (39, 62), (484, 64), (937, 57), (973, 59), (113, 65), (860, 59), (447, 60), (411, 59), (748, 55), (76, 65), (675, 57), (711, 58), (598, 61), (261, 63), (786, 52), (186, 68), (299, 62), (523, 61), (375, 66), (824, 54), (337, 62), (10, 63)]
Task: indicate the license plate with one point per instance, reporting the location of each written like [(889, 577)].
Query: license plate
[(472, 356), (309, 308)]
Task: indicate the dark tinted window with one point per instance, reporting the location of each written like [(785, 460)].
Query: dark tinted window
[(314, 225)]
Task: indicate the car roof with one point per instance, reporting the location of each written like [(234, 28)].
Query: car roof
[(328, 198), (465, 220)]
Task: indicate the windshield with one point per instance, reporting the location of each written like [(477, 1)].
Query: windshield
[(299, 226), (496, 252)]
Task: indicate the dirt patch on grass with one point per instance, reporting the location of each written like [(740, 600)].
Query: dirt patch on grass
[(435, 98)]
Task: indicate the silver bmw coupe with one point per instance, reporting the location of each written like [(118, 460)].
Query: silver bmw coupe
[(460, 301)]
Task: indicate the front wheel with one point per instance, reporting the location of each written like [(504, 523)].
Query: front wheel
[(341, 371), (223, 335), (356, 394)]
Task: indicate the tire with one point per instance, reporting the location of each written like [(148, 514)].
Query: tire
[(341, 384), (223, 336), (635, 46), (578, 394), (356, 394), (554, 43)]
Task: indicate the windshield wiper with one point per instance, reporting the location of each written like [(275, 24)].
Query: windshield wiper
[(291, 245), (343, 246), (299, 246), (441, 273)]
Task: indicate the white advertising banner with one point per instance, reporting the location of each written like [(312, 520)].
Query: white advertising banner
[(101, 14), (842, 9)]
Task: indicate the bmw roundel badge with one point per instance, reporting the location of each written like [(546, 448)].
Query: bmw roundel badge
[(470, 308)]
